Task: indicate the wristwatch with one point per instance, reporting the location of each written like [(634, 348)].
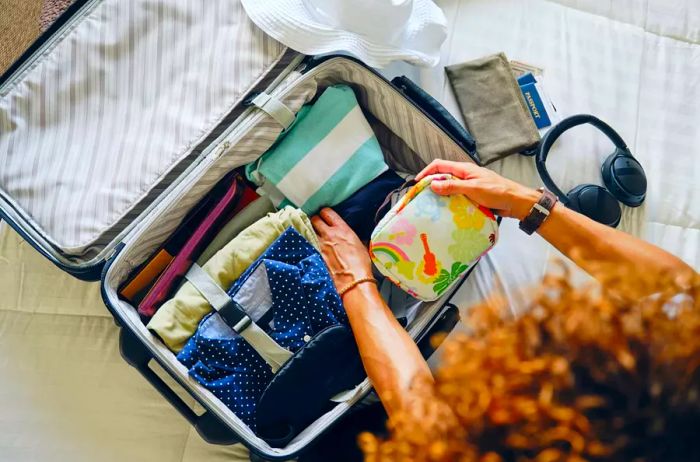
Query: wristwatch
[(539, 212)]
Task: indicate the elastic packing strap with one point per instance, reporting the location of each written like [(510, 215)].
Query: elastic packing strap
[(236, 318), (265, 187), (275, 109), (285, 117), (272, 193)]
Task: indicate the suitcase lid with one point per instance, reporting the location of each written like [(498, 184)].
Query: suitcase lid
[(113, 105)]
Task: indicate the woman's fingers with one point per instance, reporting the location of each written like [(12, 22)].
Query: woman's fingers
[(447, 187), (458, 169), (319, 225), (326, 219), (436, 166), (331, 217)]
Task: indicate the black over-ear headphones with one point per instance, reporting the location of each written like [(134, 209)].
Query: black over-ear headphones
[(623, 176)]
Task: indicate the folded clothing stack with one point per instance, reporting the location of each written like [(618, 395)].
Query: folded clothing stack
[(290, 294)]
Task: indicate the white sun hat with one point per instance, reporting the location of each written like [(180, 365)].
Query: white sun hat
[(376, 31)]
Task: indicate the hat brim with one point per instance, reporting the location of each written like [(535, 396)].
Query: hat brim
[(289, 22)]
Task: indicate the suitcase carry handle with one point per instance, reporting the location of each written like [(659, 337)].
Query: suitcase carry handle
[(438, 113), (209, 427)]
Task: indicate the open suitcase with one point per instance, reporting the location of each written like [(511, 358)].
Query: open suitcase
[(124, 114)]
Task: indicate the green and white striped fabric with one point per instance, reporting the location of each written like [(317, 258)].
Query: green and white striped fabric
[(323, 158)]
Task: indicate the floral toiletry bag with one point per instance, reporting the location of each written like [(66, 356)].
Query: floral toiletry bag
[(427, 242)]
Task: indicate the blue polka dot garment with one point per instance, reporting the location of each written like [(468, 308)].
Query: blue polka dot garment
[(303, 302)]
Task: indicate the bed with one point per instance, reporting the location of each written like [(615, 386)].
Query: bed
[(65, 392)]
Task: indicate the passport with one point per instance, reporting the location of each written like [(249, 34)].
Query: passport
[(534, 103)]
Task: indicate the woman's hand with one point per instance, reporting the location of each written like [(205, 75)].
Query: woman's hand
[(345, 255), (483, 186)]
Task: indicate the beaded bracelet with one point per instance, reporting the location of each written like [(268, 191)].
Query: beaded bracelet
[(354, 283)]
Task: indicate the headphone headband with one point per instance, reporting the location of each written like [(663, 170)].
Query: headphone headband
[(555, 132)]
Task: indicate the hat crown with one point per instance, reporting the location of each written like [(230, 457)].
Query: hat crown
[(381, 20)]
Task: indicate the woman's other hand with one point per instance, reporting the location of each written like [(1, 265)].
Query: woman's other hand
[(483, 186), (345, 255)]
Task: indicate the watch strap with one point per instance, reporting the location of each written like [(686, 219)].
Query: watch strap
[(539, 212)]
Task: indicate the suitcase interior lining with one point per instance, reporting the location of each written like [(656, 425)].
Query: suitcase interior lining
[(410, 139), (78, 158)]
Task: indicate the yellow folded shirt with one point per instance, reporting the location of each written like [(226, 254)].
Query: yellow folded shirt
[(177, 320)]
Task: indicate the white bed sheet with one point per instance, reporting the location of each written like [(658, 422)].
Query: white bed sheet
[(65, 393)]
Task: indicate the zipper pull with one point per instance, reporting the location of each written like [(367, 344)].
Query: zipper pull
[(224, 147)]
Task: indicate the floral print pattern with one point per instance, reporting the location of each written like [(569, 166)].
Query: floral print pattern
[(428, 205), (465, 216), (468, 244), (402, 232), (427, 242), (446, 278)]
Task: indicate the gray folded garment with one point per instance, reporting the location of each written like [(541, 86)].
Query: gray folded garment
[(493, 107)]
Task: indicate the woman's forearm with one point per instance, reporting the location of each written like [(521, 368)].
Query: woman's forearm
[(390, 357), (590, 244)]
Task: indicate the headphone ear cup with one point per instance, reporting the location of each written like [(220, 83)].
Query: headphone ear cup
[(624, 177), (572, 198), (596, 203)]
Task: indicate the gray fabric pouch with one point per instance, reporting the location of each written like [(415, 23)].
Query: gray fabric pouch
[(493, 107)]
